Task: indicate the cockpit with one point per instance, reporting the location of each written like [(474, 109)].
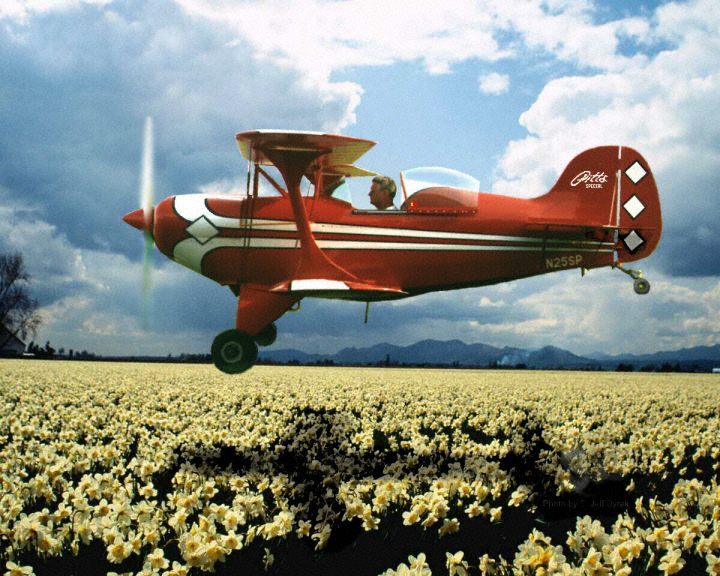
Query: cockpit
[(429, 189)]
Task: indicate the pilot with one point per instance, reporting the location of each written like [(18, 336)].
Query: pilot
[(382, 192)]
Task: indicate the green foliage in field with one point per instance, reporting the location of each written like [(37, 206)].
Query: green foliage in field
[(178, 469)]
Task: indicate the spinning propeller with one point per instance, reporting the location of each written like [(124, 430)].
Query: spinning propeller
[(142, 218)]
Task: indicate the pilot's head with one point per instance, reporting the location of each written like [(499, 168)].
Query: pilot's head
[(382, 192)]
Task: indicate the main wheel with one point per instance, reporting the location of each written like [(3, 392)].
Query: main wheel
[(641, 286), (266, 336), (234, 351)]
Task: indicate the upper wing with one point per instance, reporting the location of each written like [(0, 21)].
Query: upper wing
[(339, 151)]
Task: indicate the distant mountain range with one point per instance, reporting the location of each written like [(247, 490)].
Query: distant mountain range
[(458, 353)]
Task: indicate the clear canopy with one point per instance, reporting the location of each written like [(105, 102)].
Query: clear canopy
[(417, 179)]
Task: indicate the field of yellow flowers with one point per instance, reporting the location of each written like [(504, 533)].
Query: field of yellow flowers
[(173, 469)]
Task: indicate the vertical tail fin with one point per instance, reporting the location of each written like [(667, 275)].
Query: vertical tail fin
[(609, 188)]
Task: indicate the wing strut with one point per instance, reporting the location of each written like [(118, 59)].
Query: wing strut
[(314, 263)]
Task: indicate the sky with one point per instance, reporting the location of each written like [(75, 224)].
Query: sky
[(508, 91)]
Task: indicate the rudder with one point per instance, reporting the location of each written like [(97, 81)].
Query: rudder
[(639, 216)]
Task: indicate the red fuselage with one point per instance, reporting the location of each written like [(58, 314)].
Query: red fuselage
[(418, 250)]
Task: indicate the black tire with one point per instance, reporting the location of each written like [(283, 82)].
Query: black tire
[(641, 286), (266, 336), (234, 351)]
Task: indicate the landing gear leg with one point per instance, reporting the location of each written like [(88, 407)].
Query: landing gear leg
[(234, 351), (640, 284)]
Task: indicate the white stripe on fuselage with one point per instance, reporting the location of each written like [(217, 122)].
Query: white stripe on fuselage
[(190, 252), (192, 206)]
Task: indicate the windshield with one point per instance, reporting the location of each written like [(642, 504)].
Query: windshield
[(342, 192), (430, 176)]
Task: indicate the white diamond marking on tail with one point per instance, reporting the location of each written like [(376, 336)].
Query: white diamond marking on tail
[(636, 172), (634, 207), (633, 241), (202, 230)]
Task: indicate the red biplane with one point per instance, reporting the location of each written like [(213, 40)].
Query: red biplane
[(444, 234)]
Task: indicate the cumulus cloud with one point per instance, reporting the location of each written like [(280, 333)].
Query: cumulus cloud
[(320, 37), (569, 32), (494, 83), (355, 33)]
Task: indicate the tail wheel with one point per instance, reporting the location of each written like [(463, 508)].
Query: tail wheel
[(234, 351), (641, 286), (266, 336)]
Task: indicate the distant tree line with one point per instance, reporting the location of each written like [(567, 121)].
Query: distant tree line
[(664, 367), (48, 351)]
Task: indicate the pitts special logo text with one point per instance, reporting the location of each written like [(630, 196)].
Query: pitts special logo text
[(590, 180)]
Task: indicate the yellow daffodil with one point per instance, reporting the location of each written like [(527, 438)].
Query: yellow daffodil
[(671, 562), (13, 569), (455, 564)]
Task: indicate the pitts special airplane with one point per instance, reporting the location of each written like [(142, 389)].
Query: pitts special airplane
[(272, 251)]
